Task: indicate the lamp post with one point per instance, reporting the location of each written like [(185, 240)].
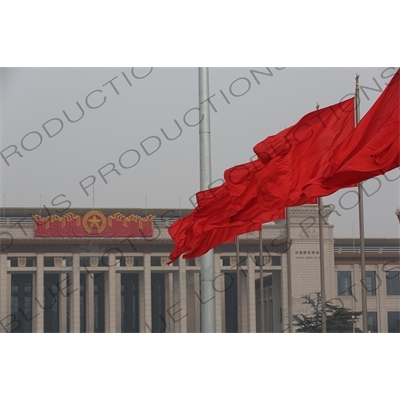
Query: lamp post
[(353, 318)]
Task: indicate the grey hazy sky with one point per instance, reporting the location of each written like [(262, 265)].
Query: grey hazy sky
[(131, 122)]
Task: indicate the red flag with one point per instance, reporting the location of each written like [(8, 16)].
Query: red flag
[(222, 213), (372, 149), (298, 154), (233, 208)]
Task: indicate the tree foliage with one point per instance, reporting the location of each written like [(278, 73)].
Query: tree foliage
[(338, 319)]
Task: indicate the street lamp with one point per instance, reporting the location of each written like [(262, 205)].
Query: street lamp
[(353, 318), (397, 212)]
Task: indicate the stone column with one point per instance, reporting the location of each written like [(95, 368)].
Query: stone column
[(218, 291), (243, 285), (147, 293), (182, 296), (111, 313), (5, 318), (169, 298), (251, 295), (38, 305), (196, 278), (277, 301), (75, 311), (118, 301)]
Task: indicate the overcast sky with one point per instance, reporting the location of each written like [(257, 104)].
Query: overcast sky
[(126, 115)]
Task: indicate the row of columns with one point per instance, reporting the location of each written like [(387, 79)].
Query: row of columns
[(182, 297)]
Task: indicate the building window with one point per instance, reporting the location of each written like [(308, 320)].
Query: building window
[(392, 283), (370, 283), (191, 262), (372, 322), (394, 322), (276, 260), (344, 283), (138, 261), (225, 261), (155, 261)]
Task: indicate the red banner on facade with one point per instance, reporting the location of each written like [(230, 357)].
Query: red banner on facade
[(93, 223)]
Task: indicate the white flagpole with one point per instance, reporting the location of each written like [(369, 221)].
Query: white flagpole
[(322, 265), (289, 271), (238, 288), (322, 262), (207, 308), (361, 221), (261, 262)]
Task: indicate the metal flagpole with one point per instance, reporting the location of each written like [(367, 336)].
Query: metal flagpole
[(322, 265), (207, 275), (238, 287), (289, 271), (261, 283), (322, 262), (361, 218)]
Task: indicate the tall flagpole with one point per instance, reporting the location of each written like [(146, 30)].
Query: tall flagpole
[(238, 288), (261, 262), (207, 275), (322, 262), (361, 221), (289, 271)]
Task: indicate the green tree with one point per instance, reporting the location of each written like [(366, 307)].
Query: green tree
[(338, 319)]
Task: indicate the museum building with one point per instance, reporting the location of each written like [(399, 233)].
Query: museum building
[(106, 270)]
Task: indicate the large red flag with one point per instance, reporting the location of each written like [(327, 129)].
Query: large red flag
[(232, 209), (222, 213), (372, 149), (298, 154)]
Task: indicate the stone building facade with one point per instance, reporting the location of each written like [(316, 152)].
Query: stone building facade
[(123, 284)]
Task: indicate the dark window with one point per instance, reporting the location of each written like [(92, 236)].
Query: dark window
[(103, 261), (156, 261), (392, 283), (13, 261), (158, 319), (99, 306), (31, 261), (370, 283), (231, 321), (276, 260), (21, 304), (191, 262), (344, 283), (226, 261), (138, 261), (121, 262), (129, 303), (51, 302), (373, 322), (48, 261), (84, 261), (394, 322)]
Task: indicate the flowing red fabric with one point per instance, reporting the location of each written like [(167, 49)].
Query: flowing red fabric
[(300, 153), (222, 213), (372, 149), (239, 206)]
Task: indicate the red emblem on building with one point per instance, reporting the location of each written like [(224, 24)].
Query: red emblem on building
[(93, 223)]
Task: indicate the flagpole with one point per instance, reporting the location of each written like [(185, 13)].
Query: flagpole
[(322, 265), (322, 262), (207, 275), (289, 271), (261, 283), (361, 221), (238, 286)]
